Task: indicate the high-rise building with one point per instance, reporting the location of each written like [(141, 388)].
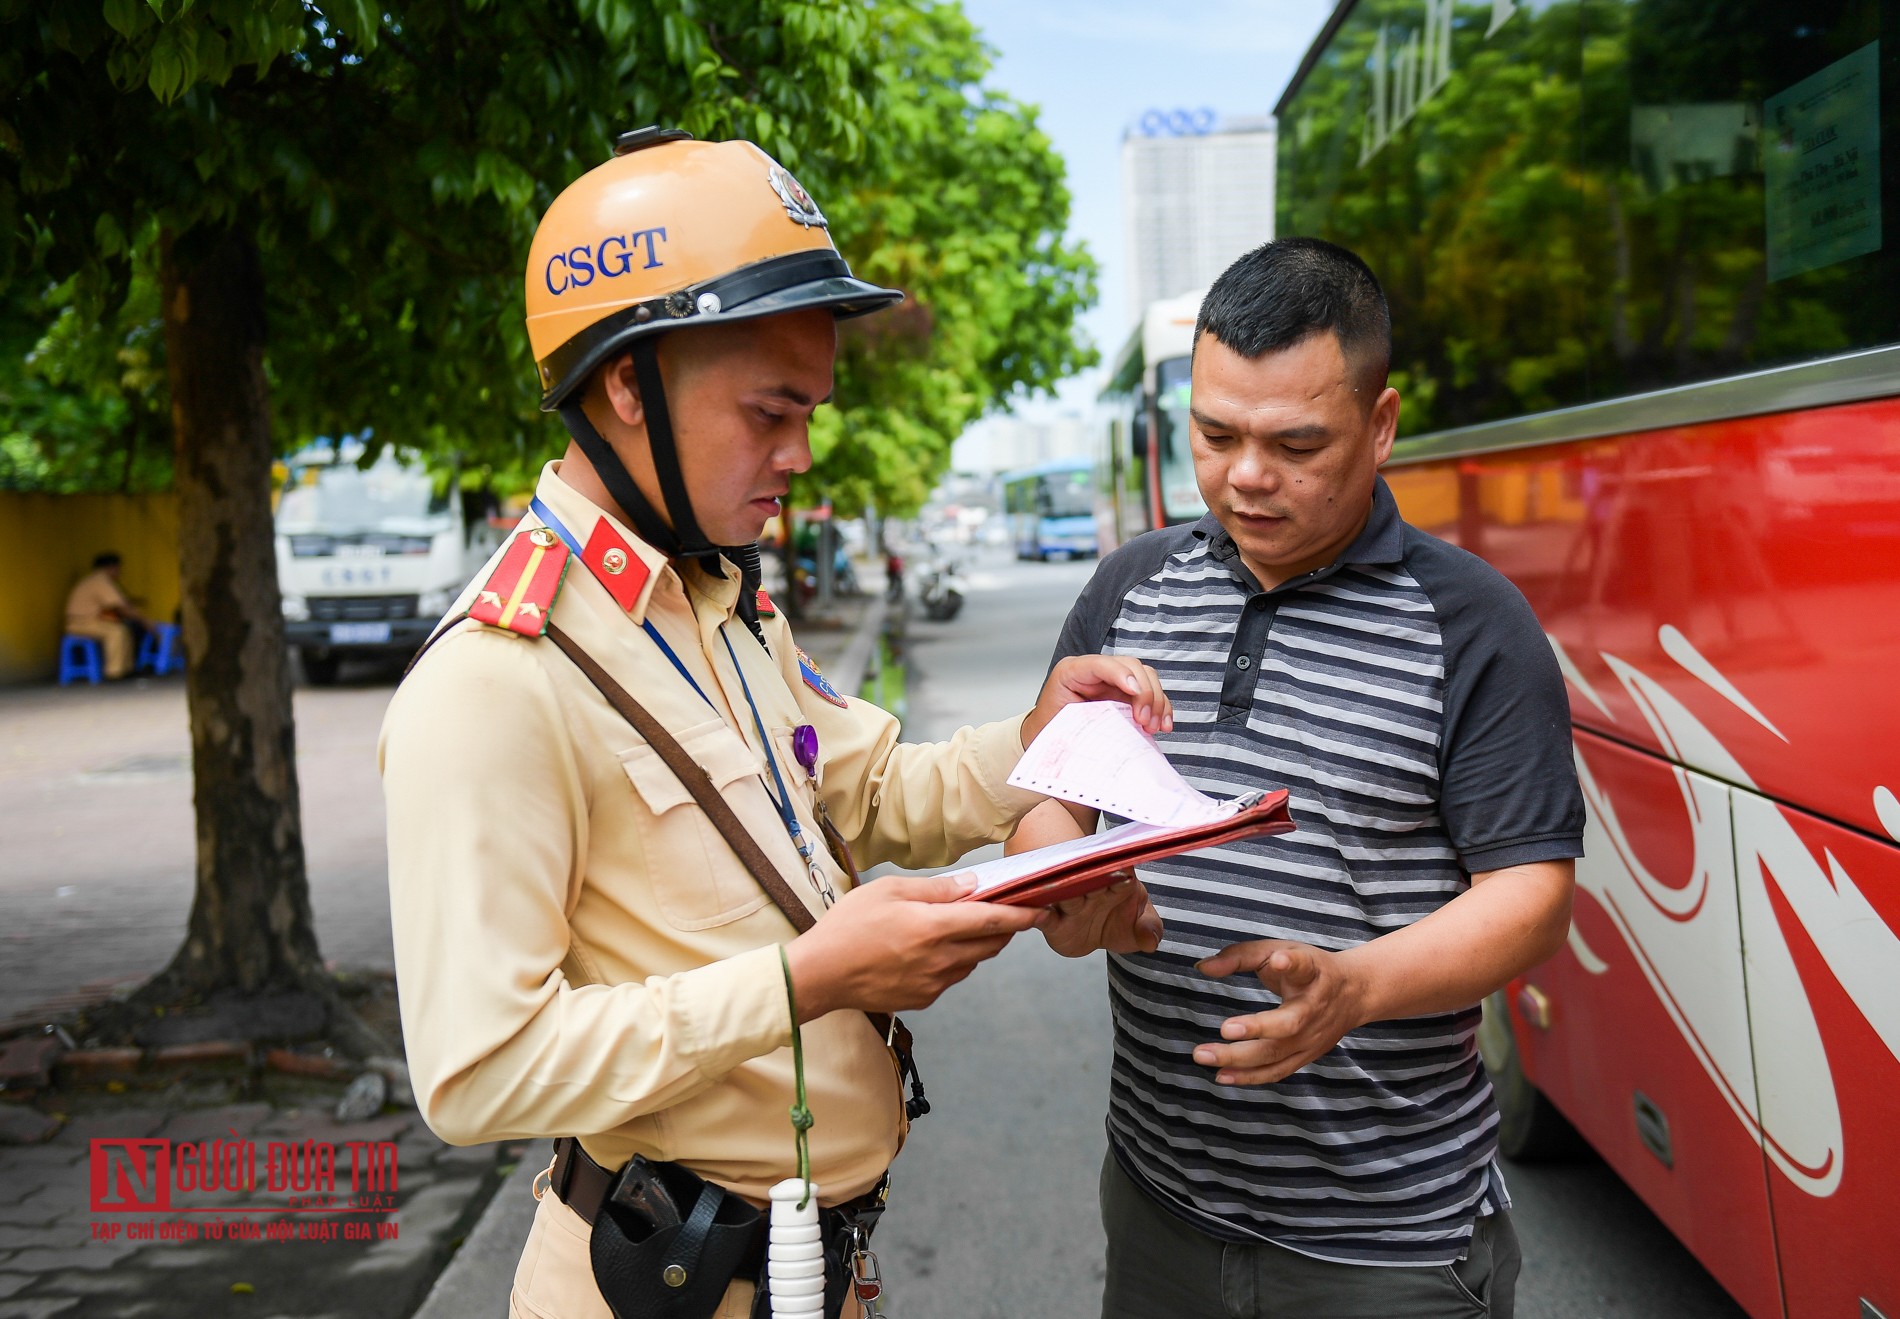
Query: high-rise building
[(1195, 195)]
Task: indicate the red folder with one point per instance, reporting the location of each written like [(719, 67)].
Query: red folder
[(1073, 876)]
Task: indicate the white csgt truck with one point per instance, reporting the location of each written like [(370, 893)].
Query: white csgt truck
[(369, 558)]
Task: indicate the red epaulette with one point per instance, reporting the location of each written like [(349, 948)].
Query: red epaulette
[(520, 593), (766, 608)]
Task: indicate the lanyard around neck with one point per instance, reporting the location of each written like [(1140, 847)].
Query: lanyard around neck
[(782, 799)]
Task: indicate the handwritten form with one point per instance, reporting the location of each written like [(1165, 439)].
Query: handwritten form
[(1095, 754)]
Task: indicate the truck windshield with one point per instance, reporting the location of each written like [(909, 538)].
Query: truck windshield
[(341, 498)]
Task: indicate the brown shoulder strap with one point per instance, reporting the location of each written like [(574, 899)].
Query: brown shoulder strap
[(730, 827), (694, 779)]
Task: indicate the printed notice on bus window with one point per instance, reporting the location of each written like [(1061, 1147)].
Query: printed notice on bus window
[(1821, 159)]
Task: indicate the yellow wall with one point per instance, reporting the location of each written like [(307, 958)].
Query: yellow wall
[(47, 543)]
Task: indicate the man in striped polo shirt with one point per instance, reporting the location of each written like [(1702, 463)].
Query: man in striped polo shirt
[(1299, 1123)]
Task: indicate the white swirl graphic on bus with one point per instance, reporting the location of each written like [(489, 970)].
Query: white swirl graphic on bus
[(1684, 938)]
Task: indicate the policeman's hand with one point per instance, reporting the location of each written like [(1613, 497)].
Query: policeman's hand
[(896, 944), (1320, 995), (1102, 678), (1119, 918)]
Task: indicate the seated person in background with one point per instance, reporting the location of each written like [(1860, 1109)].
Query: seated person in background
[(100, 609)]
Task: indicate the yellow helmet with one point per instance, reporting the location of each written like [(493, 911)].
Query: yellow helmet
[(672, 233)]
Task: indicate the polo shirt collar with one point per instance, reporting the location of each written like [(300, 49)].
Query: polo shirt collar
[(1381, 540)]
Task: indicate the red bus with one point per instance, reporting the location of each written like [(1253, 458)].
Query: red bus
[(1144, 471), (1647, 330)]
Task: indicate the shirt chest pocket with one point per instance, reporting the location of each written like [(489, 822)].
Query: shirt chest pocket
[(690, 868)]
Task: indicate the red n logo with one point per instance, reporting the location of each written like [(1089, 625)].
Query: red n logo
[(131, 1176)]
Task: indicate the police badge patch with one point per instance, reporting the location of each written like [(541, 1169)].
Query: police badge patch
[(798, 202), (818, 682)]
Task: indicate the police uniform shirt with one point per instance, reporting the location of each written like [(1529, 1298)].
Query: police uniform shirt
[(94, 599), (579, 951)]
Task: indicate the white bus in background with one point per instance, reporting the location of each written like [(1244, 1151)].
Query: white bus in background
[(369, 558), (1144, 472)]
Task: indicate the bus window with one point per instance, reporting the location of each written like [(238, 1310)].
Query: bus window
[(1180, 494), (1728, 215)]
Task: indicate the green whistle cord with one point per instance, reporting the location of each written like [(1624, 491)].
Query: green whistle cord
[(801, 1112)]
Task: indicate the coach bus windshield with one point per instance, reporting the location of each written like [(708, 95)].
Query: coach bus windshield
[(1180, 494)]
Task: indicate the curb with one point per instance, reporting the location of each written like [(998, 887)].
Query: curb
[(481, 1272), (848, 674)]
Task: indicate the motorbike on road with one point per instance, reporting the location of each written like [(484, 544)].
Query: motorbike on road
[(941, 593)]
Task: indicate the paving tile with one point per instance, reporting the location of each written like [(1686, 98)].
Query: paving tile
[(92, 1255), (20, 1125), (124, 1124), (54, 1235), (43, 1308), (217, 1123), (12, 1283)]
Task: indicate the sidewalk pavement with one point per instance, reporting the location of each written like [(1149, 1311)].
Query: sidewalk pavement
[(73, 1243)]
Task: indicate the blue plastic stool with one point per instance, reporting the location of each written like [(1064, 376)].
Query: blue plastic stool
[(79, 658), (159, 652)]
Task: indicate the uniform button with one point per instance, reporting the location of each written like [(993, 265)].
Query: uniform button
[(542, 536), (1243, 661)]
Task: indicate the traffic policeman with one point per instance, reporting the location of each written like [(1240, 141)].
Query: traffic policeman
[(580, 949)]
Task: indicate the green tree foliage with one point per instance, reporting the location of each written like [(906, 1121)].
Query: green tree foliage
[(392, 170), (960, 201), (337, 200)]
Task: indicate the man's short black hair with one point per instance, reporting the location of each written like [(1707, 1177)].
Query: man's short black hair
[(1287, 290), (110, 559)]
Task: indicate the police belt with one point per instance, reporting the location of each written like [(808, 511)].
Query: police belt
[(585, 1187)]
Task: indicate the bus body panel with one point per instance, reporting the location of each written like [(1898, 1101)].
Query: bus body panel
[(1626, 1022), (1839, 1247), (1724, 600)]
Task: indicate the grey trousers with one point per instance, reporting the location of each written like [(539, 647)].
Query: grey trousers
[(1159, 1267)]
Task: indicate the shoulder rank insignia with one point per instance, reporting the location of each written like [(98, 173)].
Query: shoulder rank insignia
[(818, 682), (766, 608), (520, 593)]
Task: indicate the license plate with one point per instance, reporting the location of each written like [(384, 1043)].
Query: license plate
[(358, 634)]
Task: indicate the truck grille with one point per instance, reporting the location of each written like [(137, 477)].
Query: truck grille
[(360, 608)]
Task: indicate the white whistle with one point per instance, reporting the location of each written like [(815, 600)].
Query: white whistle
[(795, 1256)]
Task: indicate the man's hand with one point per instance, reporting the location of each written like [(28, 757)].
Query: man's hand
[(896, 944), (1321, 998), (1102, 678), (1119, 918)]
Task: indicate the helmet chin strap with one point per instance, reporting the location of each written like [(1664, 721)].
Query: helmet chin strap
[(682, 539)]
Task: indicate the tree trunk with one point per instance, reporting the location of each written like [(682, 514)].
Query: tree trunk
[(250, 928)]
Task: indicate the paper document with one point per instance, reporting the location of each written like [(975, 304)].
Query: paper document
[(1095, 754), (1004, 869)]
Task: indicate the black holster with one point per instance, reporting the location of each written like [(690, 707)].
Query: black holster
[(681, 1271)]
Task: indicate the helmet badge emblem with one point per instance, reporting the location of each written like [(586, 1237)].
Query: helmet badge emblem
[(798, 203)]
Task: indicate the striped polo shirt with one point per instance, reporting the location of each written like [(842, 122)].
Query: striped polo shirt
[(1407, 700)]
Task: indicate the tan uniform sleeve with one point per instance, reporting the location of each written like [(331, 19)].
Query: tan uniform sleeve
[(915, 804), (488, 805)]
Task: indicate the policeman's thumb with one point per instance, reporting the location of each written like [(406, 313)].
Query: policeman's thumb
[(940, 888)]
